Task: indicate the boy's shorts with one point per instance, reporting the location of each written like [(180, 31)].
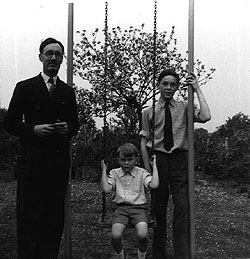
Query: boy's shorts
[(126, 214)]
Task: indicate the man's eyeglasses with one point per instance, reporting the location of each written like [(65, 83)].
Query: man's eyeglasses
[(51, 53)]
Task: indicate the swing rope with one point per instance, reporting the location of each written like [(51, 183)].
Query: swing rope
[(154, 72), (105, 125), (153, 221)]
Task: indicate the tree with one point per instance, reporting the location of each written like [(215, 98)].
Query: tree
[(9, 146), (130, 72), (85, 114), (230, 161), (237, 130), (84, 139), (200, 145)]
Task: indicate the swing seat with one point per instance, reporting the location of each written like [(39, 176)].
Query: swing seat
[(106, 221)]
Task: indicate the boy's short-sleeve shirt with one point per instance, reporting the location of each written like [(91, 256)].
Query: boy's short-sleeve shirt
[(130, 187)]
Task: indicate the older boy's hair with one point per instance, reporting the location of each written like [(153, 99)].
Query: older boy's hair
[(128, 150), (168, 72)]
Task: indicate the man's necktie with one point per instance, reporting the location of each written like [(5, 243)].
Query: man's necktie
[(168, 134), (52, 86)]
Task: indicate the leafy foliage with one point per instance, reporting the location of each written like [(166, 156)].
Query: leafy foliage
[(226, 155), (200, 145), (9, 146), (125, 85), (83, 142)]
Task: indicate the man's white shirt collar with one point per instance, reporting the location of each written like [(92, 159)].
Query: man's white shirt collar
[(46, 78)]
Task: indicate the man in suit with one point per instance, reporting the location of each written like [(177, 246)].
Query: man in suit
[(43, 114)]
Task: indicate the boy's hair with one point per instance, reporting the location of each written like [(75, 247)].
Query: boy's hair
[(168, 72), (49, 41), (128, 150)]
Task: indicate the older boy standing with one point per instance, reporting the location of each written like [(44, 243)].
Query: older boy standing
[(170, 147)]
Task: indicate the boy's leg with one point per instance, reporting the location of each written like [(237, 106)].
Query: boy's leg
[(142, 233), (116, 237), (160, 207), (120, 221), (179, 187)]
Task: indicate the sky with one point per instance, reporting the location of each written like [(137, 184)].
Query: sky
[(221, 41)]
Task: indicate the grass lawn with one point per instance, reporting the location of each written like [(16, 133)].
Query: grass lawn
[(222, 223)]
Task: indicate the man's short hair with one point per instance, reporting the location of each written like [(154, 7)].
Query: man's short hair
[(49, 41), (128, 150), (168, 72)]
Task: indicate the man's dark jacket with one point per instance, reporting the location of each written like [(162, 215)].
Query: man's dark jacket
[(31, 105), (43, 163)]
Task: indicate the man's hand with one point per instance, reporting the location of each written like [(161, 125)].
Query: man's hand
[(44, 130), (62, 128)]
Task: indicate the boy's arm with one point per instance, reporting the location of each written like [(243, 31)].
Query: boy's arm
[(204, 114), (106, 187), (155, 176)]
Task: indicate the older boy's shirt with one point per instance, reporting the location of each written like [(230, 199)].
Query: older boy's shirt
[(178, 110), (130, 187)]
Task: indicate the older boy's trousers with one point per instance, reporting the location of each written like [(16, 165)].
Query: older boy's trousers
[(173, 174)]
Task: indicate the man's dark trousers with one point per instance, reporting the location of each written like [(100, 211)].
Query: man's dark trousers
[(40, 205), (173, 174)]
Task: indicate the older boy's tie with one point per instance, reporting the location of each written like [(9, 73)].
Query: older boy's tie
[(52, 86), (168, 134)]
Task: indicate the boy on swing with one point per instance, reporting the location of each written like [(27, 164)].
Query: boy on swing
[(129, 182)]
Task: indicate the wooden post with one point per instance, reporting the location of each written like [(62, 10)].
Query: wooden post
[(67, 223), (191, 130)]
